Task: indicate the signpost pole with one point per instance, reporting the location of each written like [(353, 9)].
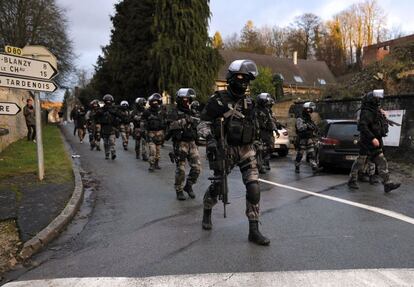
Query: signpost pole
[(39, 142)]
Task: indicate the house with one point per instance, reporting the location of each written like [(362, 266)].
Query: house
[(299, 76), (377, 52)]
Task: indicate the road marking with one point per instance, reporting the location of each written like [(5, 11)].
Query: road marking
[(382, 211), (319, 278)]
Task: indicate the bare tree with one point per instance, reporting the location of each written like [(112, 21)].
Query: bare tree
[(232, 42), (37, 22)]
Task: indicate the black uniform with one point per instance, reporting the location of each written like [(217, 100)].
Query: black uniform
[(266, 127), (372, 125), (109, 119)]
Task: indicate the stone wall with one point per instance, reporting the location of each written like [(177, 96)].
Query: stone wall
[(15, 124)]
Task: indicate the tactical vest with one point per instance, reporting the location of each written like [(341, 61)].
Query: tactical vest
[(155, 122), (189, 132)]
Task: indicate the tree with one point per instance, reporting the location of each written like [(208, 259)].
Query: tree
[(307, 26), (263, 83), (37, 22), (232, 42), (182, 55), (250, 39), (218, 41), (123, 69)]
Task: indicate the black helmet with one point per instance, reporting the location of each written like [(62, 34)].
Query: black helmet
[(309, 107), (373, 97), (124, 104), (108, 98), (155, 100), (264, 100), (184, 98), (195, 106), (94, 104), (140, 102), (239, 75)]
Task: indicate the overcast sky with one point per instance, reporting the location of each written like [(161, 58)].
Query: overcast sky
[(90, 25)]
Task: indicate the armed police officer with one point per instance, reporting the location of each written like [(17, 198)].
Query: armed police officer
[(183, 131), (373, 126), (154, 124), (229, 125), (124, 128), (306, 132), (109, 119), (140, 142), (94, 128), (267, 125)]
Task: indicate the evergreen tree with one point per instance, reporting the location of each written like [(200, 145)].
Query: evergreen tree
[(263, 83), (183, 55), (124, 67)]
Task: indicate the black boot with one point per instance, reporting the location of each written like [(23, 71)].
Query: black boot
[(180, 195), (189, 189), (144, 157), (206, 224), (137, 155), (157, 166), (352, 184), (373, 180), (254, 234), (125, 147), (389, 186), (297, 169), (107, 156), (98, 148), (151, 168)]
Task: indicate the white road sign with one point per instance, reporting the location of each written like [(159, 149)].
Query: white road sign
[(27, 84), (9, 109), (26, 67)]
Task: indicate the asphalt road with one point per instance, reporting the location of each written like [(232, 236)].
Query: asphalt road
[(138, 229)]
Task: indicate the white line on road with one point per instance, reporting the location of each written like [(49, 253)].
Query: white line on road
[(322, 278), (385, 212)]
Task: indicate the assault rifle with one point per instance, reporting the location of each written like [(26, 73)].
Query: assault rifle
[(220, 161)]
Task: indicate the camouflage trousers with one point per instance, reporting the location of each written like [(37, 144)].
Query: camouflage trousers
[(94, 131), (186, 151), (308, 146), (140, 143), (155, 140), (363, 161), (109, 144), (125, 132), (245, 158), (81, 133)]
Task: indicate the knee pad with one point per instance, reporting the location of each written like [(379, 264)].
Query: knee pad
[(253, 192)]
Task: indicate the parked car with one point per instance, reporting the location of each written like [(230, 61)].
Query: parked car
[(339, 143), (281, 145)]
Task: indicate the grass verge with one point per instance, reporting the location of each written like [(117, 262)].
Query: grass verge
[(19, 158)]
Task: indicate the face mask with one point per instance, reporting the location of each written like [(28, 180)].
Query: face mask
[(239, 86)]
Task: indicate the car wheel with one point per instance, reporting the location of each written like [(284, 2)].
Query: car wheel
[(283, 152)]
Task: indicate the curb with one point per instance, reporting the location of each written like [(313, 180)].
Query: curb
[(51, 231)]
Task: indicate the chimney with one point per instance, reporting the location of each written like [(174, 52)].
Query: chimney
[(295, 57)]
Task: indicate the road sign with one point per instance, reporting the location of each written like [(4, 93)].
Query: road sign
[(9, 109), (27, 84), (40, 53), (26, 67), (13, 50)]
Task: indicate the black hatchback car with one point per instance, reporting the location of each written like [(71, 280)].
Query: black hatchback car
[(339, 143)]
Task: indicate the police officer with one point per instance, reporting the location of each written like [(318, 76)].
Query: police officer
[(306, 131), (124, 127), (232, 112), (267, 125), (140, 142), (80, 122), (373, 126), (154, 125), (109, 119), (183, 130)]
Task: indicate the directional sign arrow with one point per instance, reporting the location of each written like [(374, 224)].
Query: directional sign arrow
[(9, 109), (26, 67), (27, 84)]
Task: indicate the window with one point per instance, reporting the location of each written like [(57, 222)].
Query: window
[(322, 81), (298, 79)]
